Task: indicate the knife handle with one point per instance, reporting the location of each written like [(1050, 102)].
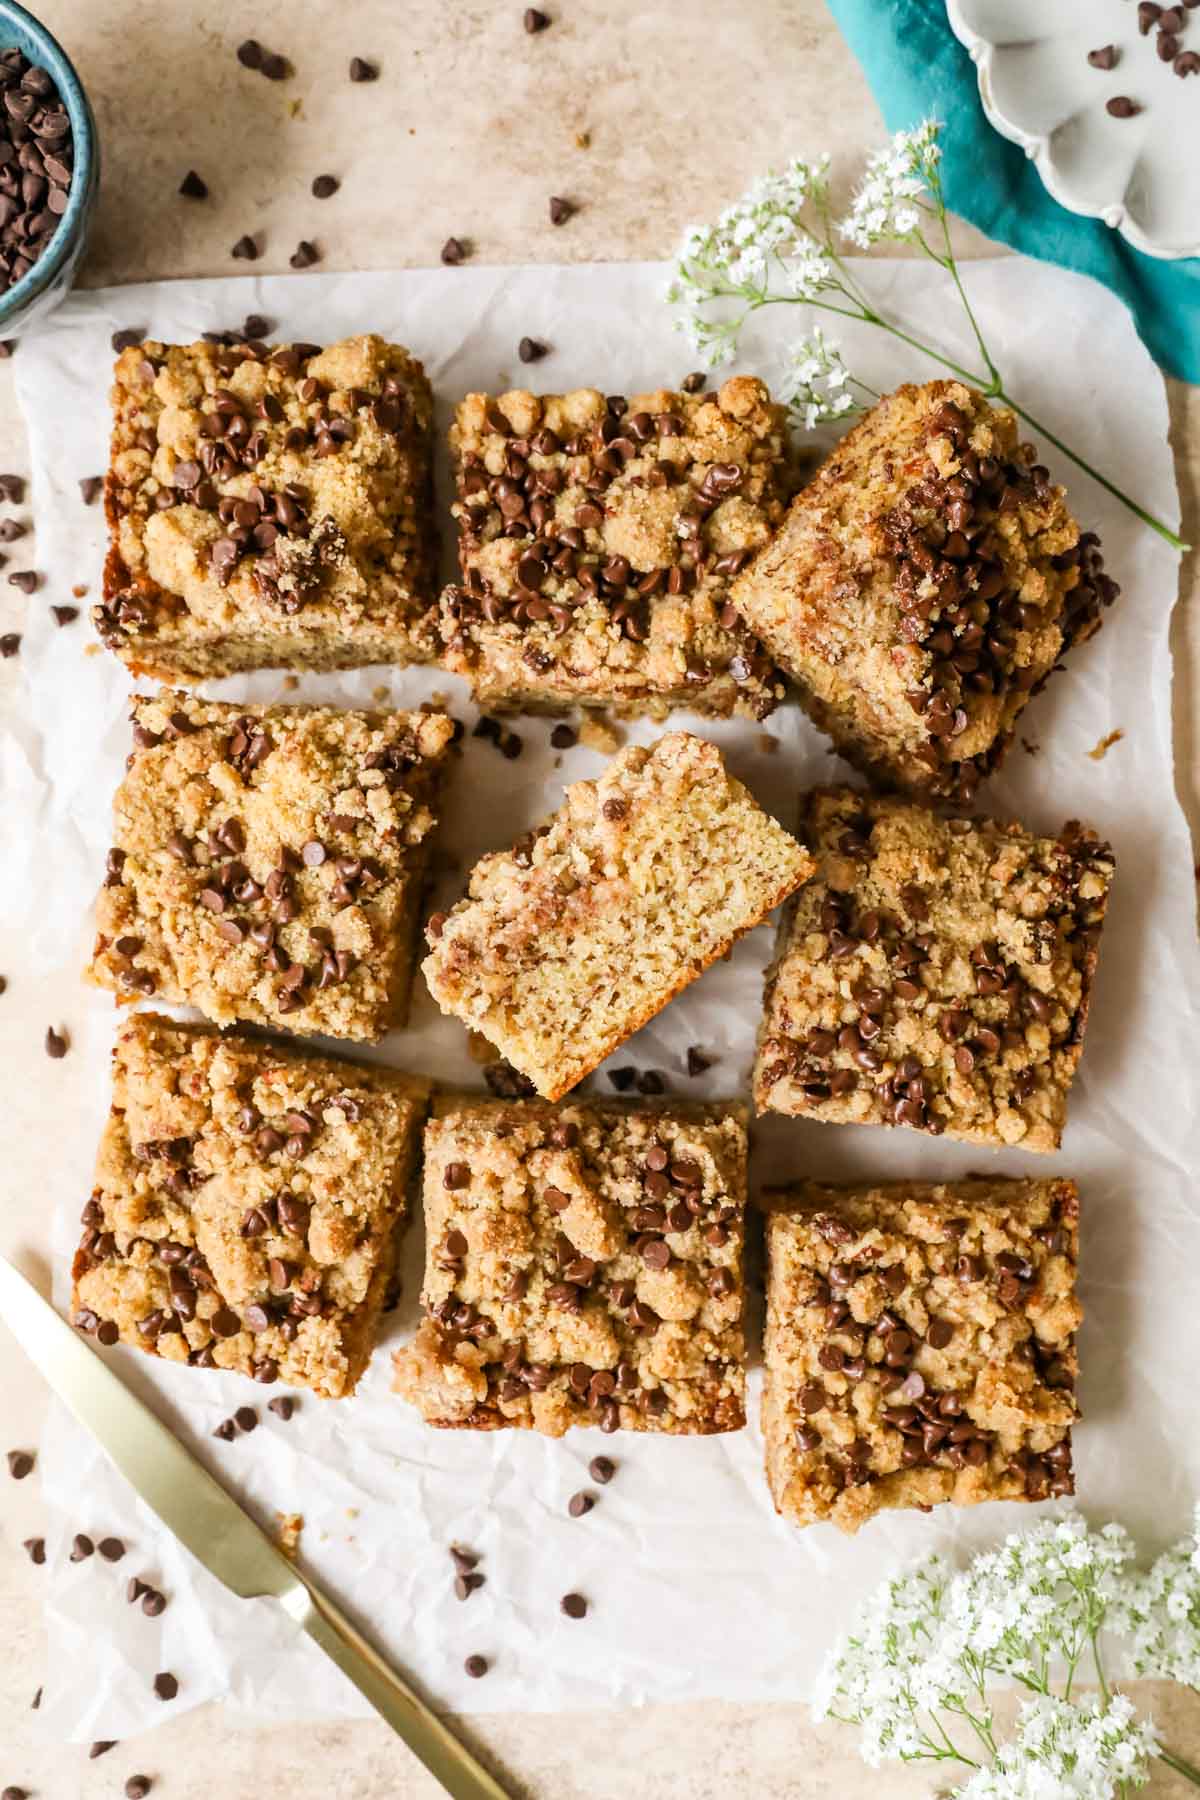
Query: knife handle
[(410, 1717)]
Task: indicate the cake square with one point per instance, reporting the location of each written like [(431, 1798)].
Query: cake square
[(597, 541), (924, 585), (936, 973), (570, 941), (583, 1267), (269, 862), (920, 1346), (268, 507), (247, 1203)]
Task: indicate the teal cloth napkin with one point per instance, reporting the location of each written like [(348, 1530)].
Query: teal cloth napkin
[(917, 70)]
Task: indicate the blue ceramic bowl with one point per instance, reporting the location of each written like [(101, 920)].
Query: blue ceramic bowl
[(41, 288)]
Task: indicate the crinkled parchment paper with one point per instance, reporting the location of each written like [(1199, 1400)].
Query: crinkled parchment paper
[(695, 1587)]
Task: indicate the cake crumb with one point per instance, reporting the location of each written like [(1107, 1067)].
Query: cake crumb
[(291, 683), (80, 590), (290, 1527), (1099, 751), (583, 140), (599, 733), (380, 693)]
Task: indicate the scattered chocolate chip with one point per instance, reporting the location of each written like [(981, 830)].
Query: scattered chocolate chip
[(325, 185), (64, 615), (464, 1560), (36, 1701), (580, 1504), (275, 67), (651, 1082), (602, 1469), (574, 1605), (283, 1406), (12, 529), (697, 1062), (1187, 63), (81, 1547), (362, 70), (91, 487), (20, 1464), (467, 1583), (225, 1430), (564, 737), (454, 251), (10, 644), (1105, 57), (622, 1079), (15, 1793), (532, 350), (560, 209), (12, 487), (135, 1587), (35, 1549), (250, 54), (476, 1667), (245, 1417), (534, 20), (245, 250), (165, 1685), (153, 1603), (695, 383), (25, 579), (101, 1747), (126, 339), (1122, 107), (193, 187), (56, 1044), (137, 1787), (304, 255), (111, 1549)]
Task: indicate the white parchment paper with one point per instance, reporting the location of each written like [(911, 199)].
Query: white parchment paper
[(696, 1588)]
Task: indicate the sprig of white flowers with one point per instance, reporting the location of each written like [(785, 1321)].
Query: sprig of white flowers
[(914, 1672), (779, 245)]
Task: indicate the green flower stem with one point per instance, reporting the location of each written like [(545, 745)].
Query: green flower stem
[(1181, 1766)]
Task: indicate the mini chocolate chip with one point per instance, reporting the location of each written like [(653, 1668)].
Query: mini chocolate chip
[(126, 339), (1105, 57), (602, 1469), (325, 185), (193, 187), (111, 1549), (580, 1504), (81, 1547), (476, 1667), (64, 615), (225, 1430), (534, 20), (153, 1603), (20, 1464), (101, 1748), (304, 255), (165, 1685), (245, 250), (574, 1605), (564, 737), (250, 54), (283, 1406), (560, 209), (137, 1787), (91, 487), (275, 67), (245, 1418), (27, 580), (622, 1079), (361, 70), (532, 350), (56, 1044), (1122, 107), (35, 1548), (10, 644), (465, 1584), (454, 251)]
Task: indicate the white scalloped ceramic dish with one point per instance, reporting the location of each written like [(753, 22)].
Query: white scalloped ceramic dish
[(1140, 175)]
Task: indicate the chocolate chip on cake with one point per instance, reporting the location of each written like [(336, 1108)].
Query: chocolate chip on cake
[(193, 186), (454, 251), (325, 185), (560, 210)]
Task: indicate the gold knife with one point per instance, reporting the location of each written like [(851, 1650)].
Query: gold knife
[(210, 1524)]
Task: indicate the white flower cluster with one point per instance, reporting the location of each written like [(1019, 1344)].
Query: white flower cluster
[(1159, 1612), (930, 1639), (888, 204), (816, 384), (761, 236), (1069, 1750)]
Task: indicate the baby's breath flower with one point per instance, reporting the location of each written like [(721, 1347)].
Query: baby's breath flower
[(889, 201), (1064, 1750), (816, 384), (1159, 1612)]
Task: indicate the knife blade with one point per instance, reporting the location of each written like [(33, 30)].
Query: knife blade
[(209, 1523)]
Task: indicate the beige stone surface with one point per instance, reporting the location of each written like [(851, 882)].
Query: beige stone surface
[(470, 128)]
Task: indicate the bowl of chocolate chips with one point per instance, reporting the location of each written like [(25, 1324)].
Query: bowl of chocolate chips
[(49, 170)]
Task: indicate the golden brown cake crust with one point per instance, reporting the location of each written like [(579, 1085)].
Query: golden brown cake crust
[(597, 541), (936, 973), (268, 507), (569, 942), (247, 1202), (268, 862), (920, 1346), (583, 1267), (924, 584)]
